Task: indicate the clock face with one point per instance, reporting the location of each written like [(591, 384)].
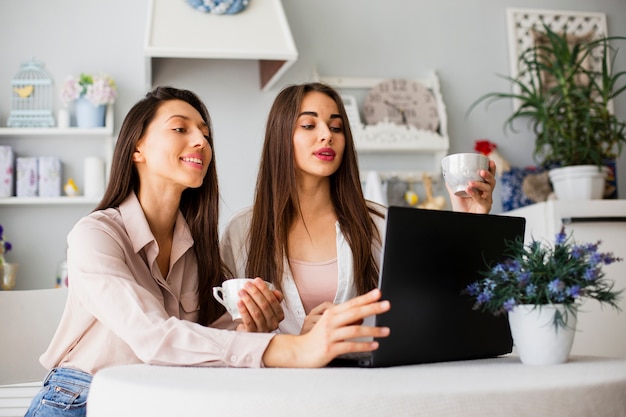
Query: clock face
[(402, 101)]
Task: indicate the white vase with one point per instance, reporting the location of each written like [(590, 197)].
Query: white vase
[(536, 338), (578, 182), (89, 115)]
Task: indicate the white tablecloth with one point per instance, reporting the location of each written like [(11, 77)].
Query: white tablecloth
[(500, 387)]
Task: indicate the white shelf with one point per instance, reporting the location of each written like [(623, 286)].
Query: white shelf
[(34, 138), (107, 130), (55, 131), (390, 137), (42, 201)]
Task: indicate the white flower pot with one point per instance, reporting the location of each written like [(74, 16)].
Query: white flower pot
[(537, 340), (578, 182)]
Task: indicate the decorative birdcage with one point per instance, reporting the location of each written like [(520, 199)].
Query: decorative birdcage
[(31, 97)]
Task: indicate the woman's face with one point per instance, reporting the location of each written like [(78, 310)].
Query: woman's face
[(174, 148), (318, 139)]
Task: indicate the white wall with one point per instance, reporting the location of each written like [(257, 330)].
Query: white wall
[(465, 42)]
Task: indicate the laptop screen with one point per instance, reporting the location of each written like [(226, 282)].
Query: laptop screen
[(429, 257)]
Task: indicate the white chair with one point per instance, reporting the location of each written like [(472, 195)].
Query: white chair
[(28, 320)]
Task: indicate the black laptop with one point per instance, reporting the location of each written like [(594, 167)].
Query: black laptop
[(429, 258)]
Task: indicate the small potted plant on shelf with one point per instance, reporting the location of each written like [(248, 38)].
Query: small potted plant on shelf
[(566, 101), (541, 287), (90, 94)]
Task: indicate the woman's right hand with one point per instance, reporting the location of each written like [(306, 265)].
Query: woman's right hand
[(331, 336)]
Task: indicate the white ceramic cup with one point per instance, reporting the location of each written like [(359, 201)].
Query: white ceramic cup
[(461, 168), (228, 294)]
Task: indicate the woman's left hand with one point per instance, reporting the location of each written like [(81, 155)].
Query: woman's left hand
[(259, 307), (480, 193)]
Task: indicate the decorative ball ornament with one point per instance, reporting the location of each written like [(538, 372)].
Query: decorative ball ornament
[(401, 101), (219, 6)]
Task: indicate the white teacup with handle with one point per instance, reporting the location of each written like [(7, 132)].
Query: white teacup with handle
[(228, 294)]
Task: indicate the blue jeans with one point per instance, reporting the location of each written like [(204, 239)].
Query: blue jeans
[(64, 393)]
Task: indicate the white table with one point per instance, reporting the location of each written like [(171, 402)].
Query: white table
[(584, 386)]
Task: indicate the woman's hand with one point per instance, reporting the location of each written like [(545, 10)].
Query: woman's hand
[(331, 336), (314, 316), (480, 193), (259, 307)]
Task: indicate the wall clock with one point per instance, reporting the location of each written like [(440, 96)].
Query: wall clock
[(402, 101), (352, 111)]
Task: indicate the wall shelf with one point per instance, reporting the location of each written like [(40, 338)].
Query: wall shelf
[(55, 131), (43, 201), (390, 137), (381, 144), (46, 140), (107, 130)]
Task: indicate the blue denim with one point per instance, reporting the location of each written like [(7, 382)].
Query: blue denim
[(64, 393)]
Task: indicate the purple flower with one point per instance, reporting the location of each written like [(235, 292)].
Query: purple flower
[(591, 274), (473, 289), (484, 297), (5, 246), (596, 258), (499, 269), (509, 304), (573, 291), (578, 252), (523, 278), (555, 286)]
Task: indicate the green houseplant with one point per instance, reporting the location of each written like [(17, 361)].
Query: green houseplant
[(566, 100), (547, 279)]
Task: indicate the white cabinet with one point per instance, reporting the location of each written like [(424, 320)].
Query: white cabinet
[(601, 330), (37, 227)]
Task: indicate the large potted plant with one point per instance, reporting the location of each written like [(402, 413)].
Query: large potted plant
[(541, 286), (567, 102)]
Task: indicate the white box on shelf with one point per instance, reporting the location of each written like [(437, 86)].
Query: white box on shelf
[(49, 176), (26, 184), (7, 165)]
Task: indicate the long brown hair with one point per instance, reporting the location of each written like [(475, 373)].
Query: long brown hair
[(199, 205), (276, 203)]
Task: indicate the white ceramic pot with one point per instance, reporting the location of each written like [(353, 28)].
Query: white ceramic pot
[(537, 340), (578, 182)]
